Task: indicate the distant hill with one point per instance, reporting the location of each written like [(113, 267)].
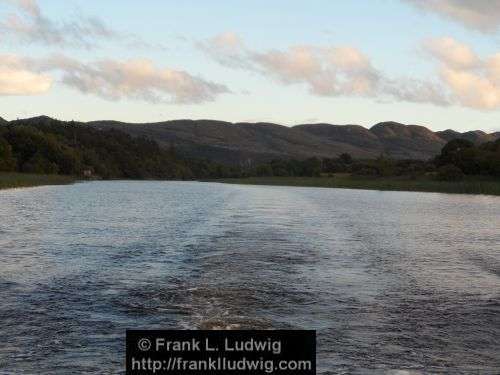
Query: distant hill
[(228, 142), (396, 140), (235, 143), (475, 136), (3, 121)]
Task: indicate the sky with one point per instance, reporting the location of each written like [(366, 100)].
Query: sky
[(427, 62)]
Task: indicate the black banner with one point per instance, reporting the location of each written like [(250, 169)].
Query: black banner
[(181, 352)]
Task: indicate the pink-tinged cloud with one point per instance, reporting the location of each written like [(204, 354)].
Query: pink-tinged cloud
[(452, 53), (18, 79), (482, 15), (227, 49), (131, 79), (109, 79), (324, 70), (471, 81), (471, 89)]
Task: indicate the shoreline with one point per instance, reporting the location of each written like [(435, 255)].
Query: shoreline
[(12, 180), (471, 185), (476, 186)]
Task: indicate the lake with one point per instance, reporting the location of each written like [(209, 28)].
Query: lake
[(393, 282)]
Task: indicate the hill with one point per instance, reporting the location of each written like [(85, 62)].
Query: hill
[(235, 143), (253, 143), (215, 149), (239, 142), (476, 136), (42, 145)]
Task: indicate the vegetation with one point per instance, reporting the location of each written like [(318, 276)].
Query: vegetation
[(235, 143), (47, 146), (472, 185), (458, 158), (461, 167), (44, 146), (470, 159), (16, 180)]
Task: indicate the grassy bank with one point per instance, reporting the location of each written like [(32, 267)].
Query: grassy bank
[(471, 185), (16, 180)]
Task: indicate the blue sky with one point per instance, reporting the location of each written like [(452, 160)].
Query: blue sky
[(432, 62)]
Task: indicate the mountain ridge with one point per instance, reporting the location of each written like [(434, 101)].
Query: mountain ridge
[(242, 142)]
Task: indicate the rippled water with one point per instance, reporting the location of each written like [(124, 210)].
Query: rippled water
[(394, 282)]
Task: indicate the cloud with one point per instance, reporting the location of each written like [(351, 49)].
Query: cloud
[(452, 53), (492, 66), (324, 70), (109, 79), (226, 48), (416, 91), (472, 90), (482, 15), (29, 6), (17, 79), (463, 78), (132, 79), (30, 25), (472, 82)]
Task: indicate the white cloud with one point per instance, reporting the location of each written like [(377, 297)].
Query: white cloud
[(29, 6), (482, 15), (452, 53), (17, 79), (324, 70), (472, 81), (29, 24), (416, 91), (492, 66), (109, 79), (327, 71), (472, 89), (132, 79), (227, 48), (464, 77)]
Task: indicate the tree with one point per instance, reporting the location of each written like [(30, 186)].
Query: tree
[(264, 170), (450, 172), (39, 164), (452, 152), (7, 161), (312, 167), (345, 158)]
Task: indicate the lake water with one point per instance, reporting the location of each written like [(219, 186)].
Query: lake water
[(393, 282)]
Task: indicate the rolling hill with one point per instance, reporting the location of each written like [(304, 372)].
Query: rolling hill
[(236, 143)]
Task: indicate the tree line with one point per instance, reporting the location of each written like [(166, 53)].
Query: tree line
[(53, 147), (458, 158)]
